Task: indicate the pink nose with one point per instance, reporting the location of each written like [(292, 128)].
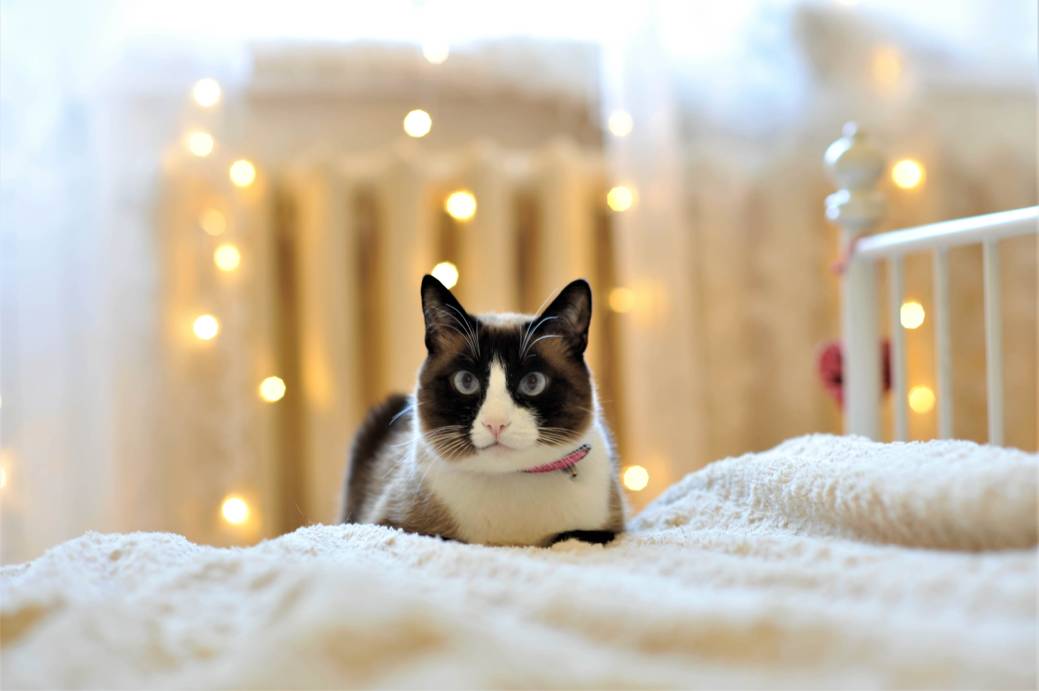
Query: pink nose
[(495, 428)]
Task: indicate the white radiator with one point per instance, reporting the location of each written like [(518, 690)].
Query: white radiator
[(326, 297)]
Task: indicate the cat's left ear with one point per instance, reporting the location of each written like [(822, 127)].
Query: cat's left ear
[(572, 314)]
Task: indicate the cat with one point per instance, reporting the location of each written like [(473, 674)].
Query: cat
[(502, 441)]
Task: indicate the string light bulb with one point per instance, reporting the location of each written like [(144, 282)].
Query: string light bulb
[(242, 173), (3, 477), (213, 221), (446, 273), (622, 299), (417, 123), (635, 478), (620, 123), (911, 315), (206, 92), (460, 205), (436, 52), (908, 174), (272, 389), (235, 509), (206, 327), (227, 257), (887, 67), (199, 143), (921, 399), (620, 198)]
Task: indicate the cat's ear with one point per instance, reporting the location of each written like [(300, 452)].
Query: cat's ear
[(571, 315), (447, 322)]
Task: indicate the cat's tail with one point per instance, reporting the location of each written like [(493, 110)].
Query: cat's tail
[(392, 414)]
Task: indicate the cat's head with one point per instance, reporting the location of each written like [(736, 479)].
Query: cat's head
[(503, 392)]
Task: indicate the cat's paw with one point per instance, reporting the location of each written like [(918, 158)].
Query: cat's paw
[(595, 537)]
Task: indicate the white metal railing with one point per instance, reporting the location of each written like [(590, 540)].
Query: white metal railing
[(856, 166)]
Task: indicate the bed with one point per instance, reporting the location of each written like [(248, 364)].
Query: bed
[(826, 562)]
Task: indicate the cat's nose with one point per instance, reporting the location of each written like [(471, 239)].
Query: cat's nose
[(495, 428)]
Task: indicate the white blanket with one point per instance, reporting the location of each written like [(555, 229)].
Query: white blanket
[(826, 562)]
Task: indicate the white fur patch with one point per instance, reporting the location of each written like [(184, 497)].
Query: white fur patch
[(519, 436), (493, 501), (518, 508)]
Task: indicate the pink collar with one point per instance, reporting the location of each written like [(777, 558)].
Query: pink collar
[(567, 462)]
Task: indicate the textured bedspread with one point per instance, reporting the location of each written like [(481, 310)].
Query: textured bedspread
[(825, 562)]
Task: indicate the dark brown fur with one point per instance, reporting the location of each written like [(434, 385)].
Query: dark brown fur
[(363, 453), (552, 342)]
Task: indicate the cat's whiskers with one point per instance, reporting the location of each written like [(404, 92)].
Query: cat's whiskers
[(464, 331), (555, 435), (440, 433), (540, 309), (453, 449), (532, 329), (541, 338), (448, 440), (474, 332), (410, 408)]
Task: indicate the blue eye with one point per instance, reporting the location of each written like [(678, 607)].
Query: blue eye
[(465, 382), (532, 384)]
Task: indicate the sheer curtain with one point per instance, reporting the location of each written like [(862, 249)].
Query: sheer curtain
[(732, 109), (96, 102), (56, 330)]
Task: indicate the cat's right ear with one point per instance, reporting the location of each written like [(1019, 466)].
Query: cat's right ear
[(447, 323)]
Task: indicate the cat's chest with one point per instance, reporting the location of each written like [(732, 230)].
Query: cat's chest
[(527, 509)]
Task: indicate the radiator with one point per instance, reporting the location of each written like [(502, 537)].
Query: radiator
[(326, 298)]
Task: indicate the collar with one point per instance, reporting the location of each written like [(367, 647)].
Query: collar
[(566, 463)]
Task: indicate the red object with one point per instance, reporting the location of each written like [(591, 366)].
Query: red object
[(841, 265), (831, 368)]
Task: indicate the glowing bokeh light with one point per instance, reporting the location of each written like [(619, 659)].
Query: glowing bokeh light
[(620, 123), (460, 205), (206, 327), (912, 315), (227, 257), (908, 174), (417, 123), (622, 299), (213, 221), (235, 510), (436, 52), (887, 67), (199, 143), (620, 198), (242, 173), (921, 399), (206, 92), (272, 389), (635, 478), (446, 273)]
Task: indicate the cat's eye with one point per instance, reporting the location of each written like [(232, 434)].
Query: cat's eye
[(532, 384), (465, 382)]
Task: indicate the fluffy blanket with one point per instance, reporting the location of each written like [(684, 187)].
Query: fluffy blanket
[(825, 562)]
